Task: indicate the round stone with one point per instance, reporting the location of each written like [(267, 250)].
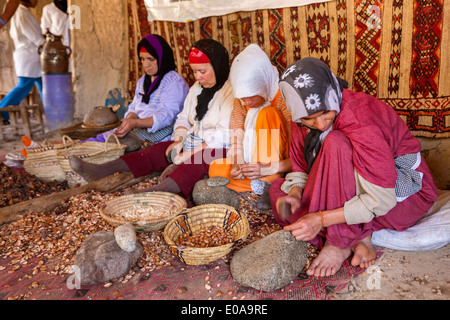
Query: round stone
[(217, 181)]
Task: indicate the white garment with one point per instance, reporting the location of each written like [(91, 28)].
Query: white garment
[(429, 233), (252, 74), (57, 22), (214, 128), (250, 132), (26, 35)]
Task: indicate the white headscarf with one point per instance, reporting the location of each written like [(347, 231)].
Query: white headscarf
[(253, 74)]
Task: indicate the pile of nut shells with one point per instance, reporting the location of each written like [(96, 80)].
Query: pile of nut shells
[(48, 242), (17, 186), (212, 236)]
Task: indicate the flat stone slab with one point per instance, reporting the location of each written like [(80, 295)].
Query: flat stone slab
[(270, 263)]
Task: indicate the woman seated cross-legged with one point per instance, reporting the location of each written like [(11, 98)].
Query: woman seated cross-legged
[(159, 95)]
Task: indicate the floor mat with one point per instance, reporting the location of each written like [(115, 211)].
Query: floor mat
[(36, 249), (177, 281)]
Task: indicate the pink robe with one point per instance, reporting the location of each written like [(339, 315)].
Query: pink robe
[(367, 135)]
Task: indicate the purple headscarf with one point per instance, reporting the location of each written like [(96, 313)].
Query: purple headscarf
[(158, 48)]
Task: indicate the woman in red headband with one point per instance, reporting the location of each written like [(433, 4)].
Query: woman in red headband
[(200, 132)]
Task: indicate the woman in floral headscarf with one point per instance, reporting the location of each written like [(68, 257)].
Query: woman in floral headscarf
[(356, 169)]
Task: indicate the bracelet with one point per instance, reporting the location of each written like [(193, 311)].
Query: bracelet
[(321, 217), (4, 24)]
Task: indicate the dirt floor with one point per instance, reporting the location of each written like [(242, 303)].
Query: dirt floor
[(397, 275), (402, 275)]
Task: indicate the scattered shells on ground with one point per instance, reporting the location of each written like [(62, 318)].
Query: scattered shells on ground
[(48, 242)]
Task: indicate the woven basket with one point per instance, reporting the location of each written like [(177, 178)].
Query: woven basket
[(43, 162), (168, 204), (201, 217), (89, 151)]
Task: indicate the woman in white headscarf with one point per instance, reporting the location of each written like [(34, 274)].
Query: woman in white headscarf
[(259, 127)]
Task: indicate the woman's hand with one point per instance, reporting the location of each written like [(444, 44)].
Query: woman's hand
[(182, 157), (235, 172), (288, 201), (291, 202), (255, 170), (251, 170), (307, 227), (126, 126), (177, 145)]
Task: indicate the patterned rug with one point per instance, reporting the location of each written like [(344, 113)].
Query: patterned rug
[(177, 282), (391, 49), (36, 249)]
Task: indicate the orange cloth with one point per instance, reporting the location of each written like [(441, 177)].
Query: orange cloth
[(238, 116), (266, 150)]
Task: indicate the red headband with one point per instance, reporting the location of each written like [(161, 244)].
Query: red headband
[(143, 49), (196, 56)]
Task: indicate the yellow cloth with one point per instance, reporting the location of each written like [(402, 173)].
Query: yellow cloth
[(266, 150)]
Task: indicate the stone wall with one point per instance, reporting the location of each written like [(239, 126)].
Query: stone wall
[(437, 154), (99, 52), (8, 77)]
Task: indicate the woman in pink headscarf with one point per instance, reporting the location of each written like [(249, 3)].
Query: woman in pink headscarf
[(356, 169)]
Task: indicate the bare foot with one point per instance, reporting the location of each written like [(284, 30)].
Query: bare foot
[(133, 191), (89, 171), (363, 253), (329, 261), (83, 168), (167, 171)]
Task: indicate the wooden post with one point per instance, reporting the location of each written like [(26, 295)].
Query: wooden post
[(51, 201)]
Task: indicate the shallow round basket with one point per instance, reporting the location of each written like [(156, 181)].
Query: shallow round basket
[(155, 210), (201, 217)]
